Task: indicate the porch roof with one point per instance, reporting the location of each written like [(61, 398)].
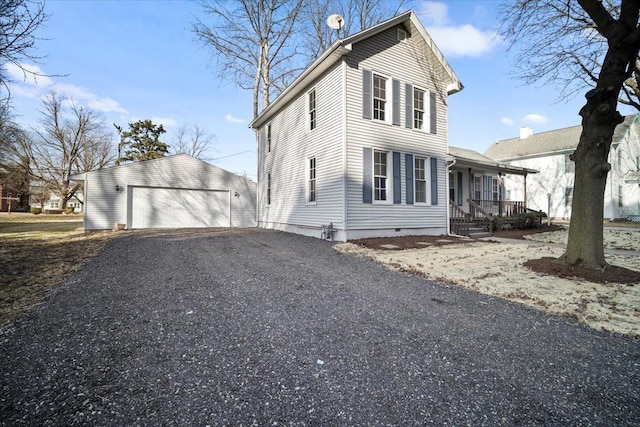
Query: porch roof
[(464, 158)]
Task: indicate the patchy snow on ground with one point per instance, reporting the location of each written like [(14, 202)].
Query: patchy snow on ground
[(496, 269)]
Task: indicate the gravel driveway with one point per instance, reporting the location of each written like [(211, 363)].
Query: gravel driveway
[(264, 328)]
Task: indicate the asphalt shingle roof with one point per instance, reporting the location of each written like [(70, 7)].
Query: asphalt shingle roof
[(554, 141)]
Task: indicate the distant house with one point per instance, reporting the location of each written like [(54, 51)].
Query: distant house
[(358, 141), (549, 153), (176, 191)]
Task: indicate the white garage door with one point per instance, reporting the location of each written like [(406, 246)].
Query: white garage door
[(153, 207)]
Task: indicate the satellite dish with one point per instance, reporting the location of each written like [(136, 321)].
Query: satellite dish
[(335, 21)]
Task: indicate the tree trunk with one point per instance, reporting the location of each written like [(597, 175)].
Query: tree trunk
[(599, 120)]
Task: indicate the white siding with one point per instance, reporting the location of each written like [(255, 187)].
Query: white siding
[(406, 62), (292, 145), (551, 179), (105, 207), (623, 159)]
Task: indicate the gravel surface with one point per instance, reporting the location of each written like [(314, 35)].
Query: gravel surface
[(261, 328)]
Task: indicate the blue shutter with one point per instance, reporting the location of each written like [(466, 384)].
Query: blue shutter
[(433, 112), (397, 195), (367, 175), (434, 181), (408, 164), (395, 89), (367, 88), (408, 106)]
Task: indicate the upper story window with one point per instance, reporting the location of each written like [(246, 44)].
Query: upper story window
[(269, 138), (380, 175), (420, 178), (569, 165), (312, 109), (418, 108), (379, 97), (312, 180)]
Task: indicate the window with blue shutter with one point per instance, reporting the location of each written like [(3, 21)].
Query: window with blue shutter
[(397, 195), (408, 165), (367, 175), (434, 181)]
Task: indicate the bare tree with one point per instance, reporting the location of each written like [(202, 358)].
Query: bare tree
[(19, 20), (252, 42), (549, 22), (193, 141), (357, 15), (66, 144)]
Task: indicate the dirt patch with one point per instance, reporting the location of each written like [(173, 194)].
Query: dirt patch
[(409, 242), (609, 274), (520, 234)]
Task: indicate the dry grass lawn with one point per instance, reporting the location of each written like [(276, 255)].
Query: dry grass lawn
[(38, 253)]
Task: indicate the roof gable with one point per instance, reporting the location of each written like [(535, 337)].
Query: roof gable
[(177, 159), (342, 47), (548, 143)]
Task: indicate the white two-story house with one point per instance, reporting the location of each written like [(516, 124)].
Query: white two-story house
[(552, 189), (359, 140)]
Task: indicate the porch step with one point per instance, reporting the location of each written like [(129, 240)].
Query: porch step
[(478, 232)]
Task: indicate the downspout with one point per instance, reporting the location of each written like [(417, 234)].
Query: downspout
[(449, 166), (345, 170)]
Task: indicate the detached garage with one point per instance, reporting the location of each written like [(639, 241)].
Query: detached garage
[(170, 192)]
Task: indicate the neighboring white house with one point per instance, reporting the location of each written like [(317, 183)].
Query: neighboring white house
[(549, 152), (359, 140), (176, 191)]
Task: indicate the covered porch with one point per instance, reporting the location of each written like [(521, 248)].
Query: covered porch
[(477, 192)]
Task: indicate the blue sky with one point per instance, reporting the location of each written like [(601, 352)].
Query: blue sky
[(135, 60)]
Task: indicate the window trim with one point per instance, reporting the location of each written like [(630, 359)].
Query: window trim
[(425, 112), (388, 177), (426, 180), (312, 113), (388, 101), (312, 181)]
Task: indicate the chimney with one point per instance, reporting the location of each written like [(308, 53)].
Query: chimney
[(525, 132)]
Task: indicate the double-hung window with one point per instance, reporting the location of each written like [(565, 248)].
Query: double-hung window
[(380, 175), (268, 188), (269, 138), (420, 178), (418, 108), (379, 97), (312, 109), (312, 180)]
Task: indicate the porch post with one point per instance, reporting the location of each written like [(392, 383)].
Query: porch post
[(525, 192), (500, 191)]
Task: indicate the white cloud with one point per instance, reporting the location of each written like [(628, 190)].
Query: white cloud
[(28, 74), (456, 40), (507, 121), (229, 118), (35, 85), (535, 119), (435, 13), (165, 121)]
